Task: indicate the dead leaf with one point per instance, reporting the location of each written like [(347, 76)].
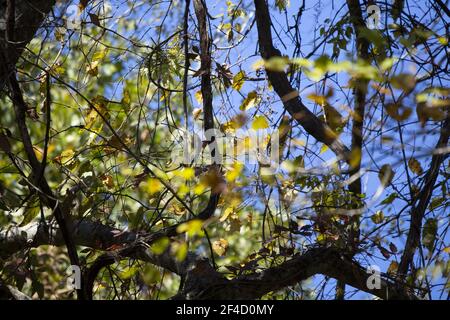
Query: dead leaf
[(220, 247)]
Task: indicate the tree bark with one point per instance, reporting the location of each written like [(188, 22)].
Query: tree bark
[(29, 16), (202, 280)]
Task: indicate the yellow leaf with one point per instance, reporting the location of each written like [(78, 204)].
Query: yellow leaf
[(355, 157), (258, 64), (238, 80), (154, 186), (321, 238), (234, 172), (100, 104), (199, 188), (276, 64), (186, 173), (302, 62), (226, 214), (192, 227), (90, 119), (250, 101), (38, 152), (260, 122), (320, 100), (183, 190), (65, 157), (323, 149), (229, 127), (443, 40), (414, 166), (220, 247), (160, 245), (99, 55), (180, 250), (332, 117), (199, 97), (387, 63)]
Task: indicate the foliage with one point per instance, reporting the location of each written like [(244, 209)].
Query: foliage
[(118, 94)]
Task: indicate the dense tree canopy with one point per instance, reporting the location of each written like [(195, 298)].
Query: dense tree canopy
[(213, 149)]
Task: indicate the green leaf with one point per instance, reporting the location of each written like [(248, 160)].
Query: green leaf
[(282, 4), (128, 273), (429, 233), (180, 250), (160, 245), (386, 174), (390, 198), (126, 99), (31, 212), (436, 202), (378, 217)]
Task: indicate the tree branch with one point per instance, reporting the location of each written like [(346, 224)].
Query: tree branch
[(28, 17), (8, 292), (202, 280), (279, 80), (37, 173), (418, 211), (201, 12), (362, 51)]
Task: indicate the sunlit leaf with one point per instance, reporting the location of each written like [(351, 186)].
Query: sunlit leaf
[(234, 172), (228, 211), (250, 101), (197, 112), (154, 186), (238, 80), (276, 64), (65, 157), (180, 250), (220, 247), (192, 227), (260, 122), (323, 149), (199, 97), (160, 245)]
